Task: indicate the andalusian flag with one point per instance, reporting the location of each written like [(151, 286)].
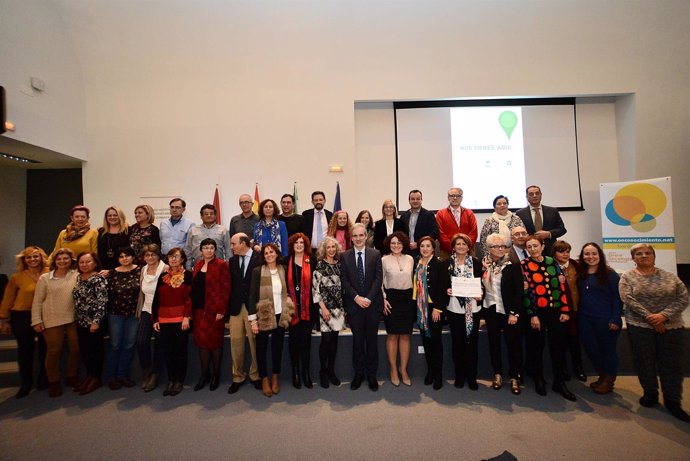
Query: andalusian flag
[(294, 193)]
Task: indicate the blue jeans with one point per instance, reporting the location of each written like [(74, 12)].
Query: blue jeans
[(123, 337)]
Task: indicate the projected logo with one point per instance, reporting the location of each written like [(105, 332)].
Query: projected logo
[(636, 205), (508, 121)]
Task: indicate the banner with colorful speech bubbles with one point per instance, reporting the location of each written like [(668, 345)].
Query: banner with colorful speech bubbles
[(638, 212)]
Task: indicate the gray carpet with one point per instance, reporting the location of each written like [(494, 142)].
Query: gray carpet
[(337, 423)]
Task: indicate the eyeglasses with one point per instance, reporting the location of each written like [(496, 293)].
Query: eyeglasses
[(245, 203), (520, 234), (176, 256), (498, 247), (454, 195)]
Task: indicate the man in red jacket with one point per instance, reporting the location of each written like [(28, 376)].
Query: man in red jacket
[(455, 219)]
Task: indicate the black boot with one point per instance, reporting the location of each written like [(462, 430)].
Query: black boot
[(306, 377), (323, 378), (333, 378), (561, 388), (297, 384), (215, 381), (202, 382)]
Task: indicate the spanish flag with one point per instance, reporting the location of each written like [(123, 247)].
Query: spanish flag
[(255, 206)]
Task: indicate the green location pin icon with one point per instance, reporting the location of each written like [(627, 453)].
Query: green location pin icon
[(508, 121)]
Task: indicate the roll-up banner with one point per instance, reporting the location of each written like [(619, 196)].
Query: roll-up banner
[(638, 212)]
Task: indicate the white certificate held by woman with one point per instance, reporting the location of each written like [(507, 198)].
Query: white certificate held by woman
[(466, 287)]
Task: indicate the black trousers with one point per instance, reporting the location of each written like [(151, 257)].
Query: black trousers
[(659, 354), (365, 329), (299, 342), (20, 321), (174, 345), (91, 349), (553, 331), (277, 337), (464, 349), (497, 326), (433, 348)]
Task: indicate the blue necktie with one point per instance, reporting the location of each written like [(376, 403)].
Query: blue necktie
[(360, 270)]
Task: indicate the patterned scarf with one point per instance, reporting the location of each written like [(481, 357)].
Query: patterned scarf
[(305, 289), (420, 292), (75, 233), (494, 269), (464, 270), (273, 230), (174, 279)]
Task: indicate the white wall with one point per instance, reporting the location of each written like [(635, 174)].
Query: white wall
[(181, 96), (13, 193), (34, 43)]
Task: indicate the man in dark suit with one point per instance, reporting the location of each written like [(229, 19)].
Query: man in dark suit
[(362, 276), (316, 219), (419, 222), (518, 252), (241, 266), (542, 220)]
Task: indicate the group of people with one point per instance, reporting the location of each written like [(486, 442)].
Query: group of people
[(271, 274)]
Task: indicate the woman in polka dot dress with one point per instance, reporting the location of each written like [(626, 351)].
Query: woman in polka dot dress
[(547, 311)]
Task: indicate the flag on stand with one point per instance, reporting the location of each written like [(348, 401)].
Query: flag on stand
[(216, 203), (255, 206), (294, 193), (336, 204)]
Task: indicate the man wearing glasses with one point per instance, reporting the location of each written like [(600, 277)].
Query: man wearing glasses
[(453, 220), (244, 222), (174, 230)]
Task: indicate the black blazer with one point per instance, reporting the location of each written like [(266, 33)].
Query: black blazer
[(380, 232), (308, 221), (240, 284), (445, 279), (426, 224), (433, 280), (551, 220), (373, 279), (512, 289)]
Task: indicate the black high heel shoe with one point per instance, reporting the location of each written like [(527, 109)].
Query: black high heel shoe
[(215, 381), (306, 379), (296, 383), (202, 383)]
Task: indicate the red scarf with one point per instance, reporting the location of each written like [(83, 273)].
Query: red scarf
[(305, 289)]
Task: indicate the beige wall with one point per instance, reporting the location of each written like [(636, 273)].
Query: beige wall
[(180, 95)]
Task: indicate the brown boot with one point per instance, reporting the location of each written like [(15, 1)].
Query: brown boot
[(606, 385), (82, 384), (93, 384), (54, 389), (266, 387), (275, 385), (598, 381), (145, 376)]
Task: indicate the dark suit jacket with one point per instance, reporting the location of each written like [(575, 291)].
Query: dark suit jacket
[(240, 284), (373, 279), (426, 224), (433, 280), (513, 256), (552, 222), (445, 281), (380, 231), (308, 221)]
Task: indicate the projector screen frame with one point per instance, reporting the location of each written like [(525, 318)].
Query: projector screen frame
[(490, 102)]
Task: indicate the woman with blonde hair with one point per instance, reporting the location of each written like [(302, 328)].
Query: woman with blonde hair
[(388, 224), (143, 231), (112, 236), (15, 312), (327, 290), (53, 315)]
